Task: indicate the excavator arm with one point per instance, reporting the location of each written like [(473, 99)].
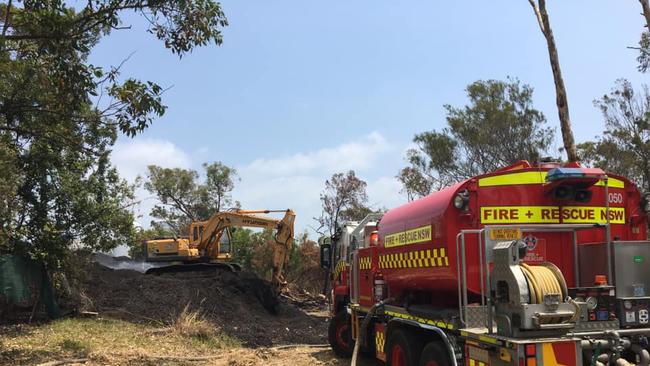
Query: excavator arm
[(211, 231)]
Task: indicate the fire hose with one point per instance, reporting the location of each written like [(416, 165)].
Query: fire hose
[(545, 280), (362, 337)]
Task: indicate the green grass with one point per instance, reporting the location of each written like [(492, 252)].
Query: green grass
[(98, 338)]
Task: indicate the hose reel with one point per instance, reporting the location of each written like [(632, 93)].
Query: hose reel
[(544, 280), (529, 298)]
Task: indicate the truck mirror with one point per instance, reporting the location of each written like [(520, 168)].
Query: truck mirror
[(326, 256)]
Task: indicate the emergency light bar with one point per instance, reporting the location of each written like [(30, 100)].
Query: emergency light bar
[(572, 183), (583, 174)]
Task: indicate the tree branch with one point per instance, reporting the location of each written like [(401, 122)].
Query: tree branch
[(94, 19), (561, 98), (182, 206), (7, 15), (23, 37), (646, 12), (538, 14)]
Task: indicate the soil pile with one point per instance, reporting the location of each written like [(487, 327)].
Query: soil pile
[(230, 301)]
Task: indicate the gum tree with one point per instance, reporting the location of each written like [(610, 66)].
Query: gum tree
[(60, 115)]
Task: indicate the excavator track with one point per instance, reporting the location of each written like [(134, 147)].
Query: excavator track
[(194, 267)]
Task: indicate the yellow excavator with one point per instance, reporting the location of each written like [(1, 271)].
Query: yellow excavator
[(210, 243)]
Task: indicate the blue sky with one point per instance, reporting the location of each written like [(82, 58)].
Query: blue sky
[(302, 89)]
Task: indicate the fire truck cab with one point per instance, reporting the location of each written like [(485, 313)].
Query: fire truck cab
[(339, 250), (524, 266)]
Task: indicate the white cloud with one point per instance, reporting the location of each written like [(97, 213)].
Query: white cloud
[(357, 155), (296, 181), (385, 193), (293, 181), (133, 156)]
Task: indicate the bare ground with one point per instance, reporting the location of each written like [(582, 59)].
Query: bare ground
[(298, 356)]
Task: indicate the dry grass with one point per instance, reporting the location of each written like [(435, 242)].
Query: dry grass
[(192, 323), (117, 342), (110, 341)]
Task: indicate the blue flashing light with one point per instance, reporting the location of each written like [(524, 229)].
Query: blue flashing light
[(565, 173)]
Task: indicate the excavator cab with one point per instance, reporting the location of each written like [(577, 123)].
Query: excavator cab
[(225, 244), (222, 239), (196, 230)]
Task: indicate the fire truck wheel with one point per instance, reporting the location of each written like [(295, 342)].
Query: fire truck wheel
[(340, 335), (403, 348), (434, 354)]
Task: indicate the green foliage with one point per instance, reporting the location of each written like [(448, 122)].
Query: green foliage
[(344, 197), (175, 189), (219, 183), (182, 25), (242, 247), (140, 101), (60, 115), (253, 251), (624, 148), (358, 213), (184, 199), (304, 269), (498, 127), (644, 43)]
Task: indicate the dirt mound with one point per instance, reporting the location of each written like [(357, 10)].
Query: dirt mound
[(230, 301)]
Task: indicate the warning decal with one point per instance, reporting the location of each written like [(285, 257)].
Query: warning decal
[(551, 215)]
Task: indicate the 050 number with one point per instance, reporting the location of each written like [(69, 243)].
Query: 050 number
[(615, 198)]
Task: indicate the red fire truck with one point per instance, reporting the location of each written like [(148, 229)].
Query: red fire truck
[(525, 266)]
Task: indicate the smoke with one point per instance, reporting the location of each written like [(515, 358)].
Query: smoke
[(125, 263)]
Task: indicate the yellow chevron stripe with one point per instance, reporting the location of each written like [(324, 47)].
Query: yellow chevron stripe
[(415, 259), (340, 266)]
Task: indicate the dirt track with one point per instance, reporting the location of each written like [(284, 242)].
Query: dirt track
[(295, 356)]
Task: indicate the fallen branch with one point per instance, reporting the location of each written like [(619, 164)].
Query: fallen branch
[(64, 362), (286, 346), (181, 358), (88, 314)]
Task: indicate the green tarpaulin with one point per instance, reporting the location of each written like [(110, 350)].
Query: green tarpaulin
[(24, 282)]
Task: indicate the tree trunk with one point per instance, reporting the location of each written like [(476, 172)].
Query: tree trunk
[(646, 12), (560, 90)]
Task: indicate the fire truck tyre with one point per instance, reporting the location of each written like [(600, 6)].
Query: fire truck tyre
[(340, 335), (434, 354), (403, 348)]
